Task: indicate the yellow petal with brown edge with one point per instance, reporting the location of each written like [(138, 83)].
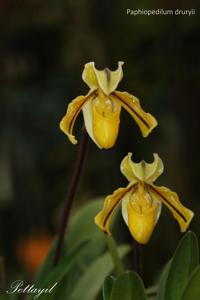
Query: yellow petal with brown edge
[(131, 104), (141, 225), (143, 171), (106, 128), (169, 198), (111, 202), (74, 108), (108, 80)]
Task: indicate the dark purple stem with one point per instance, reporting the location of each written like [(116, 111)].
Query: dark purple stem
[(3, 283), (137, 261), (73, 187)]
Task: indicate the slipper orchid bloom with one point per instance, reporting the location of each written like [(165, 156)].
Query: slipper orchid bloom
[(142, 200), (101, 107)]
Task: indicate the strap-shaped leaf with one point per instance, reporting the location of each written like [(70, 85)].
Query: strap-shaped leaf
[(66, 263), (107, 287), (82, 227), (91, 282), (163, 280), (192, 289), (46, 265), (55, 275), (128, 286), (184, 261)]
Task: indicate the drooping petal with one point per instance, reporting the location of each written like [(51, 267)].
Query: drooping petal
[(182, 214), (141, 225), (131, 104), (111, 203), (143, 171), (106, 79), (74, 108)]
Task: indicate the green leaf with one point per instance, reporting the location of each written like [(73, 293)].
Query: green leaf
[(192, 289), (163, 280), (82, 227), (64, 266), (47, 264), (13, 297), (107, 287), (57, 273), (92, 280), (184, 261), (128, 286)]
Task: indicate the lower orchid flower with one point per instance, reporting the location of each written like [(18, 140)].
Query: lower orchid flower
[(142, 200)]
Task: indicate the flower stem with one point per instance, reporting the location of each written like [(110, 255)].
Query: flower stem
[(3, 283), (137, 261), (73, 187), (112, 247)]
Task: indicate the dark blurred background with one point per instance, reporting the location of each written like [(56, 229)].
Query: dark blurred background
[(44, 46)]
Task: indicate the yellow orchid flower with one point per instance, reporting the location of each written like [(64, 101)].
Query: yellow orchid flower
[(101, 107), (142, 200)]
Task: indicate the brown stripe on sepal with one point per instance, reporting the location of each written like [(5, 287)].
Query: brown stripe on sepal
[(138, 116), (171, 205)]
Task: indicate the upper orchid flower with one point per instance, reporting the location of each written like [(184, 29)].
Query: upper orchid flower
[(141, 200), (102, 106)]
